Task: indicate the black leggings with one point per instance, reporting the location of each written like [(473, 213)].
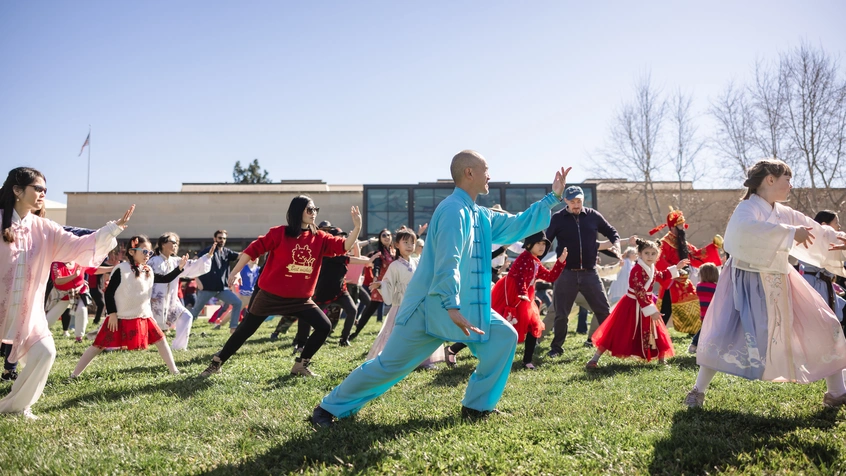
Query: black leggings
[(363, 300), (367, 314), (97, 296), (66, 319), (666, 307), (529, 350), (249, 325), (347, 304)]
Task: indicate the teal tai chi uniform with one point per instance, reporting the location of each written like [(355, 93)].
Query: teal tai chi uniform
[(454, 273)]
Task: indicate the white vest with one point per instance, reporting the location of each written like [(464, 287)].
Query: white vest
[(132, 297)]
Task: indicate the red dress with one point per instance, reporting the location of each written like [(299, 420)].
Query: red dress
[(520, 281), (629, 331)]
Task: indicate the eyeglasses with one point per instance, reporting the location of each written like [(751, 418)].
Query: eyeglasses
[(143, 250), (39, 189), (386, 235), (313, 210)]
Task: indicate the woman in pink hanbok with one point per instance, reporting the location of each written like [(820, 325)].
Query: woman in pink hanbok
[(30, 244), (765, 321)]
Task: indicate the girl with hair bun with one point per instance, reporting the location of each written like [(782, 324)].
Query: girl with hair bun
[(635, 327), (765, 321)]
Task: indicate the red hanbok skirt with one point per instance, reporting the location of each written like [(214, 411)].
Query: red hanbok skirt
[(523, 315), (131, 334), (626, 333)]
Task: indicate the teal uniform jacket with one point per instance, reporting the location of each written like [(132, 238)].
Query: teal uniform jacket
[(455, 268)]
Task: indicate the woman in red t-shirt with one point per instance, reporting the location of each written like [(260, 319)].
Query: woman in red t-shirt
[(70, 281), (294, 255)]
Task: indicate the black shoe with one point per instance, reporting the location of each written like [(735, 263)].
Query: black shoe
[(344, 342), (353, 336), (553, 354), (274, 337), (450, 356), (9, 376), (473, 415), (588, 344), (322, 418), (213, 368)]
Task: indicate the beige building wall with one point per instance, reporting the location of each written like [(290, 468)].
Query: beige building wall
[(196, 214)]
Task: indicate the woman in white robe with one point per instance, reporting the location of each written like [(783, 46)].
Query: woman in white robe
[(167, 309), (765, 321), (29, 245)]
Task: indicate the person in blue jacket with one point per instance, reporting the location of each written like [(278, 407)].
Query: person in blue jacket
[(449, 298)]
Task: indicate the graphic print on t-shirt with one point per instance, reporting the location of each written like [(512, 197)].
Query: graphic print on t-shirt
[(302, 260)]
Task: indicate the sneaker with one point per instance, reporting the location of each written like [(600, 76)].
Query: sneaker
[(588, 344), (344, 342), (78, 340), (274, 337), (216, 327), (695, 398), (591, 365), (553, 354), (529, 366), (66, 334), (449, 355), (27, 413), (691, 349), (213, 368), (832, 402), (9, 376), (301, 368), (473, 415), (322, 418)]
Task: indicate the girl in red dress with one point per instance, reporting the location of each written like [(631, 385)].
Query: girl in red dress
[(129, 324), (513, 297), (635, 328)]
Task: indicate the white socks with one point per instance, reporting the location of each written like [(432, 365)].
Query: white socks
[(834, 384), (703, 380)]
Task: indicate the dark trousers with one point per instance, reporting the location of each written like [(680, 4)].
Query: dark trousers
[(66, 319), (372, 308), (363, 300), (566, 287), (666, 307), (313, 317), (5, 352), (582, 324), (696, 338), (528, 350), (99, 302)]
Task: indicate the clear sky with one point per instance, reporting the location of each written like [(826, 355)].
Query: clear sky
[(357, 92)]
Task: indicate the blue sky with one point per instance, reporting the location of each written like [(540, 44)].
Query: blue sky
[(358, 92)]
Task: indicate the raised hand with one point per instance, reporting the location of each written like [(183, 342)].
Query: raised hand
[(560, 181), (125, 218), (838, 246), (213, 248), (563, 256), (422, 229), (183, 261), (356, 217)]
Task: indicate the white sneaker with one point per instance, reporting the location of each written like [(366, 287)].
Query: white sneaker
[(691, 349)]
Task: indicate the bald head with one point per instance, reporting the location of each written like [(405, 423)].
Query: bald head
[(463, 160)]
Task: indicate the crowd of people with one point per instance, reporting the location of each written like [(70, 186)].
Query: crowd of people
[(765, 303)]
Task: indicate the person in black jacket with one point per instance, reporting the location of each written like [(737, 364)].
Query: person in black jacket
[(576, 228), (215, 281)]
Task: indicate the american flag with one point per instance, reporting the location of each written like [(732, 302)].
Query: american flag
[(84, 144)]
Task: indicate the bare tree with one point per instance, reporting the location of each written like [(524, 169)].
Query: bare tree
[(815, 98), (635, 141), (735, 134), (686, 144)]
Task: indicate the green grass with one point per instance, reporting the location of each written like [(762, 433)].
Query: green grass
[(126, 414)]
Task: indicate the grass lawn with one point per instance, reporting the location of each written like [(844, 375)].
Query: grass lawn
[(126, 414)]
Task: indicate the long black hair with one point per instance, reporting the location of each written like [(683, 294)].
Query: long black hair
[(295, 215), (20, 177)]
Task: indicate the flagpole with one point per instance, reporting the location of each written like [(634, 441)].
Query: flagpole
[(88, 181)]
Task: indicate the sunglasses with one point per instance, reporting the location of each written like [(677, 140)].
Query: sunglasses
[(173, 242), (386, 235), (313, 210), (39, 189), (144, 250)]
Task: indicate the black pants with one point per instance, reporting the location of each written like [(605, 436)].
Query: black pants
[(582, 324), (363, 300), (66, 319), (529, 350), (249, 325), (348, 305), (371, 309), (6, 351), (666, 307), (99, 302), (566, 287)]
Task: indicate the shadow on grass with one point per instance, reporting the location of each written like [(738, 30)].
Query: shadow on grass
[(706, 441), (684, 362), (183, 388), (611, 369), (452, 377), (351, 445)]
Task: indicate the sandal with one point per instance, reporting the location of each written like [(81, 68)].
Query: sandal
[(450, 357)]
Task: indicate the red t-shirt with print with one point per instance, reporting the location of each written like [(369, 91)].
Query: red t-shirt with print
[(293, 264)]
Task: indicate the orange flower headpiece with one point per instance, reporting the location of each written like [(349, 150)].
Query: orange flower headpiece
[(675, 217)]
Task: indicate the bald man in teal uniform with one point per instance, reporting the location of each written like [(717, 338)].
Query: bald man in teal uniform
[(449, 298)]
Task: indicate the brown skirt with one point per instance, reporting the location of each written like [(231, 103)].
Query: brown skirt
[(268, 304)]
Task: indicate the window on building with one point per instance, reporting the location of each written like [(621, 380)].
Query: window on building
[(425, 201), (386, 208), (518, 199), (493, 197)]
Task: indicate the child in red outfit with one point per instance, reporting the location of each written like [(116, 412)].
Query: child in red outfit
[(635, 328)]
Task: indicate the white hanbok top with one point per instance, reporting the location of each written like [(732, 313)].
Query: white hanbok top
[(169, 292), (396, 280)]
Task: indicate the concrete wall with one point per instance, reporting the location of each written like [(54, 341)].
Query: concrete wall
[(197, 214)]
